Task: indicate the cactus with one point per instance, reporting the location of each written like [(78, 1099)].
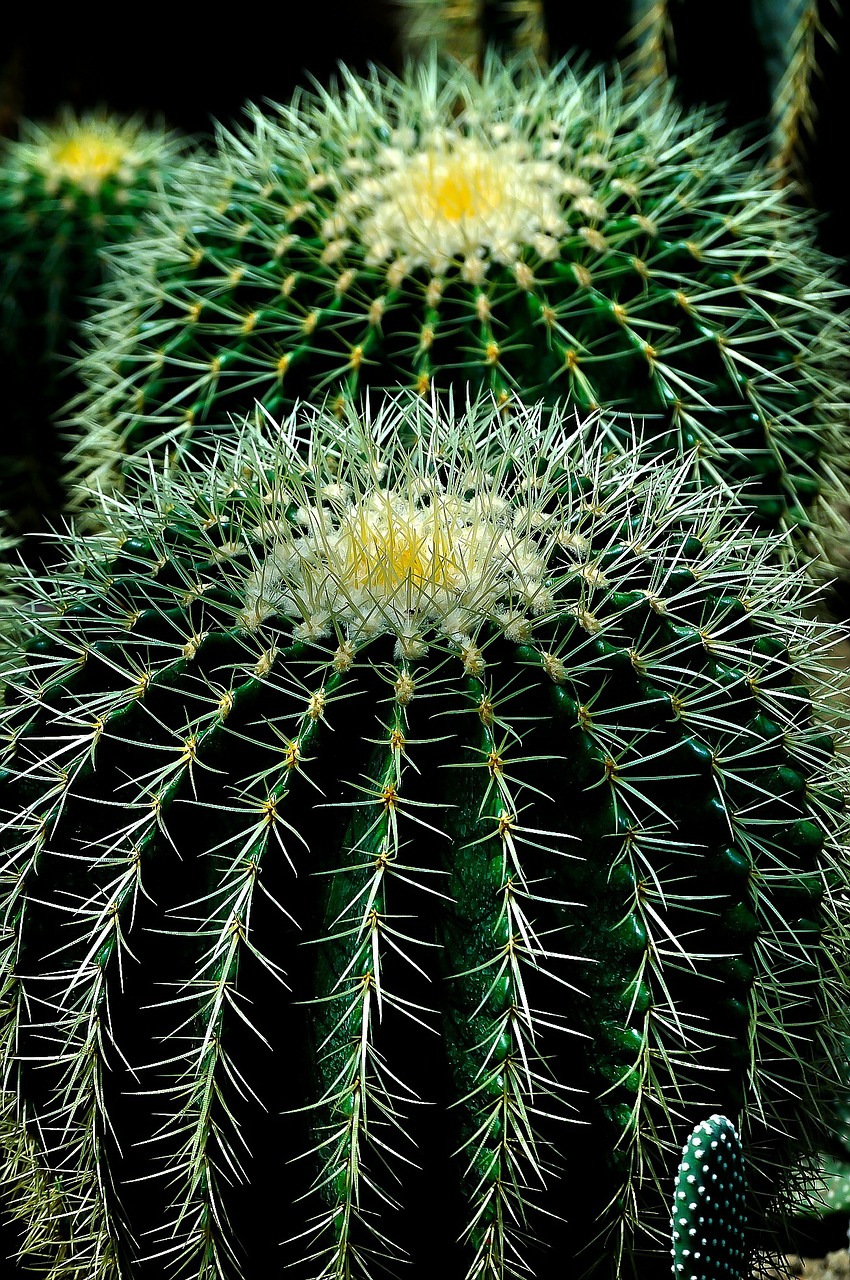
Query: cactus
[(8, 613), (360, 730), (538, 234), (464, 30), (66, 191), (709, 1218)]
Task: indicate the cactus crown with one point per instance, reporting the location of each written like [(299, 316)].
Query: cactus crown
[(86, 154), (413, 544)]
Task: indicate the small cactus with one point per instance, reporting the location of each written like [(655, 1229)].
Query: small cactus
[(408, 824), (709, 1218), (540, 235), (828, 1190)]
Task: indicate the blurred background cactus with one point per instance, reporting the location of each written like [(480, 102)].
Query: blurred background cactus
[(66, 191)]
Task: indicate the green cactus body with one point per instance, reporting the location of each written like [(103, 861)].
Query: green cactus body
[(403, 846), (709, 1217), (540, 235), (829, 1188)]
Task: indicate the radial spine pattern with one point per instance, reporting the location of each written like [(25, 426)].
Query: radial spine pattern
[(448, 822)]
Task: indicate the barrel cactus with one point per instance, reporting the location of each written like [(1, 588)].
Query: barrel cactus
[(540, 235), (412, 826), (66, 191)]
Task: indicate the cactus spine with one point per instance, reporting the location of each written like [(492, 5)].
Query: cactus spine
[(334, 742), (540, 235)]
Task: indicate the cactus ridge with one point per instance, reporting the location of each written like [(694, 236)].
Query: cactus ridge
[(538, 235), (335, 849)]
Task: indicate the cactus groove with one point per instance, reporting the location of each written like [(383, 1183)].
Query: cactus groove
[(403, 847)]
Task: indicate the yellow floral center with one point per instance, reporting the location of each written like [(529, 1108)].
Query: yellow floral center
[(384, 551), (459, 199), (399, 561), (455, 197), (462, 184), (88, 157)]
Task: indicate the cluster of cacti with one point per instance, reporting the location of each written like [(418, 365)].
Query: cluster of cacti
[(411, 825), (66, 191), (709, 1214), (542, 235), (411, 820)]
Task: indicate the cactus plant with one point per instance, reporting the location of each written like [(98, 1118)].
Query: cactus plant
[(709, 1218), (362, 729), (66, 190), (539, 234), (8, 620)]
